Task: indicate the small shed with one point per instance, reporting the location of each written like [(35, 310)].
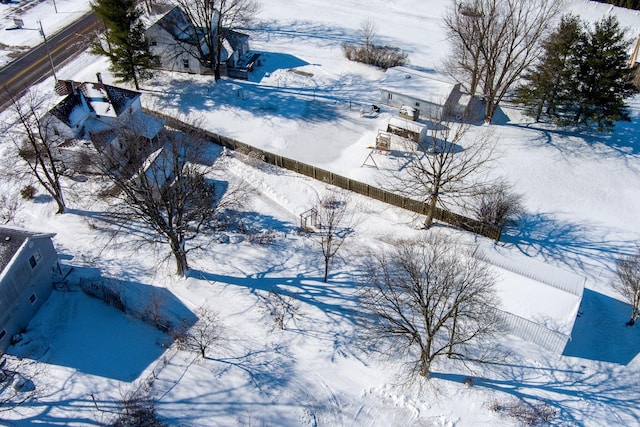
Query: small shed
[(426, 93), (27, 262), (407, 129)]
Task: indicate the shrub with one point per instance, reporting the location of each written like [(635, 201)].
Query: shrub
[(101, 290), (8, 208), (202, 335), (281, 307), (28, 192), (540, 413), (379, 56), (497, 204)]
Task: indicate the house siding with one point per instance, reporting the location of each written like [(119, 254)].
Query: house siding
[(170, 53), (19, 281), (426, 108)]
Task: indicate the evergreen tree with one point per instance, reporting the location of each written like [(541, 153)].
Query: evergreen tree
[(544, 82), (603, 76), (582, 79), (123, 41)]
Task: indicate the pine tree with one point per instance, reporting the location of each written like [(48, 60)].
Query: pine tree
[(123, 41), (603, 76), (544, 83), (582, 78)]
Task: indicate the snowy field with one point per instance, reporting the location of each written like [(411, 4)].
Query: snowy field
[(582, 195)]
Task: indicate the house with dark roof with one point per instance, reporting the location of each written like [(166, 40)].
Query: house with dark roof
[(90, 118), (178, 44), (27, 263)]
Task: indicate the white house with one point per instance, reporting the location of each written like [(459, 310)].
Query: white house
[(178, 44), (90, 116), (27, 262), (402, 86)]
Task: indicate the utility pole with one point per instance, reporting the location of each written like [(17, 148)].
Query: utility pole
[(53, 69)]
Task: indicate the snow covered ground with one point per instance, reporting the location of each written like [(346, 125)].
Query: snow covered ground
[(582, 194)]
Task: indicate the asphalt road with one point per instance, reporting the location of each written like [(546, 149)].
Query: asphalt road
[(34, 66)]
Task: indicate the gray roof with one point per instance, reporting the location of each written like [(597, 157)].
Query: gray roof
[(11, 240), (177, 23)]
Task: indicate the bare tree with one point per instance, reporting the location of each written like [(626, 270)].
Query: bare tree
[(627, 282), (203, 334), (439, 170), (281, 306), (333, 226), (430, 298), (498, 204), (167, 191), (494, 41), (212, 21), (36, 140), (8, 208), (368, 31)]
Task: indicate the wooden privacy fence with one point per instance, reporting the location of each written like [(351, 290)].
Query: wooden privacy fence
[(488, 230)]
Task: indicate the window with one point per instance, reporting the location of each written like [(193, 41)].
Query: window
[(185, 63), (390, 96), (2, 333), (34, 259), (417, 104), (33, 298)]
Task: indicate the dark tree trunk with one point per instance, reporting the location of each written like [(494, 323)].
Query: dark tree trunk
[(431, 208), (326, 269), (180, 255)]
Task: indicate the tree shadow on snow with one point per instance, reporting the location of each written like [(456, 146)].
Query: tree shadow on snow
[(328, 297), (337, 300), (624, 140), (308, 103), (267, 368), (580, 246), (577, 395), (600, 331), (259, 222)]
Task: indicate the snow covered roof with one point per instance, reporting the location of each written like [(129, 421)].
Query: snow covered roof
[(177, 23), (90, 98), (535, 291), (417, 84), (409, 125), (11, 240)]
